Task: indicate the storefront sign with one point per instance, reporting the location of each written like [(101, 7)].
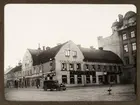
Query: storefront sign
[(82, 72)]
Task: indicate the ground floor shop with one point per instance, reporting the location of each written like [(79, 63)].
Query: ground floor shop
[(78, 78)]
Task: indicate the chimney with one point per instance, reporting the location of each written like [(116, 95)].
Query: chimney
[(47, 48), (39, 47), (79, 45), (120, 18), (100, 37), (100, 48), (43, 48)]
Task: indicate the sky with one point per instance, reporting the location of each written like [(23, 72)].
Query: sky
[(27, 25)]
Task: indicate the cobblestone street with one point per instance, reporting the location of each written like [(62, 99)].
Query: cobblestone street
[(94, 93)]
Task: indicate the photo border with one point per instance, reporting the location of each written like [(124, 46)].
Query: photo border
[(3, 101)]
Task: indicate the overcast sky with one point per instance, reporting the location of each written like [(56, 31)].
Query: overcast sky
[(26, 25)]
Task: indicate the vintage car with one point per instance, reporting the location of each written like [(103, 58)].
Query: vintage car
[(53, 84)]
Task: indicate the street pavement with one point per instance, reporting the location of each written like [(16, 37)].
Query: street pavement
[(92, 93)]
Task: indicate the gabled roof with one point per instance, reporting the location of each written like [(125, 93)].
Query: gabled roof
[(15, 69), (100, 56), (46, 55), (35, 53)]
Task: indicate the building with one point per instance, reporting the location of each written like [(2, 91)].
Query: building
[(12, 76), (127, 34), (123, 43), (72, 65)]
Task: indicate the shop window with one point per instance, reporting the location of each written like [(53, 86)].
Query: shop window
[(125, 48), (64, 66), (124, 37), (71, 66), (87, 67), (67, 53), (72, 80), (74, 53), (112, 78), (132, 34), (64, 79), (100, 79), (93, 79), (87, 79), (133, 46), (79, 79), (78, 66)]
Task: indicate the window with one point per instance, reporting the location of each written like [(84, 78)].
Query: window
[(78, 66), (125, 48), (112, 78), (79, 79), (64, 79), (87, 67), (126, 59), (132, 34), (110, 68), (64, 66), (115, 68), (67, 53), (100, 79), (124, 37), (93, 79), (104, 68), (50, 63), (72, 79), (119, 69), (87, 78), (71, 66), (93, 67), (99, 67), (74, 54), (133, 46)]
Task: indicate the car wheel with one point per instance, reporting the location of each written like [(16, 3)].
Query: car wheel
[(64, 88), (45, 89)]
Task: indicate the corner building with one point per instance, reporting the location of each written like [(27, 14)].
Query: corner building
[(77, 66)]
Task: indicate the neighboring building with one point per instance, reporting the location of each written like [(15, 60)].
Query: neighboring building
[(127, 34), (13, 75), (123, 43), (31, 68), (72, 65)]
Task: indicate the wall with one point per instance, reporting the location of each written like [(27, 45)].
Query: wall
[(27, 60), (111, 43), (60, 58)]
